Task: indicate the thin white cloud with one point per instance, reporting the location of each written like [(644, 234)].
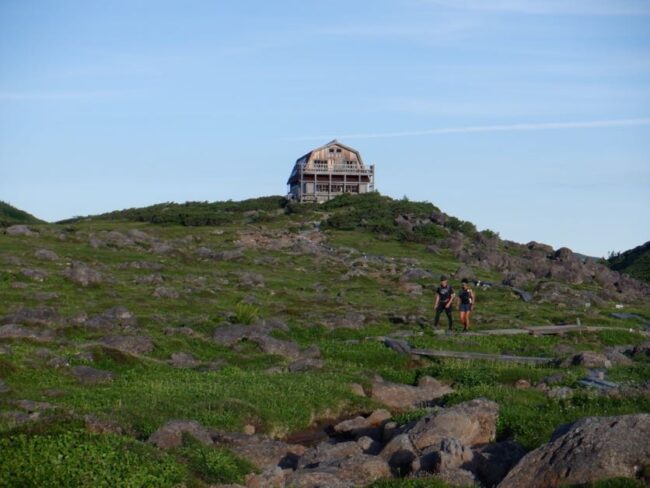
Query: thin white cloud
[(591, 124), (552, 7)]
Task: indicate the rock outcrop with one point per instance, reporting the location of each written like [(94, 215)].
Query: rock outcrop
[(589, 450)]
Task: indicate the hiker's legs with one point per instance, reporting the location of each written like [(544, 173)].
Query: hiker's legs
[(467, 315), (436, 320), (463, 319), (449, 319)]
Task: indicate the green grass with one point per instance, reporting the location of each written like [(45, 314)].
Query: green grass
[(304, 291), (76, 458)]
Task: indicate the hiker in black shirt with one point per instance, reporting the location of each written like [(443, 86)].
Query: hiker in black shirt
[(467, 300), (444, 299)]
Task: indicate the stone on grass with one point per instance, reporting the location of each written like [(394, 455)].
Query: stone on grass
[(165, 292), (591, 449), (472, 423), (46, 255), (261, 451), (117, 316), (129, 344), (91, 376), (96, 425), (590, 359), (170, 435), (15, 331), (494, 461), (183, 360), (82, 275), (306, 364), (278, 347), (186, 331), (20, 230), (400, 396)]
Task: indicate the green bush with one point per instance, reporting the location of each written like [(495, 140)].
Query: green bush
[(246, 313), (79, 459), (195, 213)]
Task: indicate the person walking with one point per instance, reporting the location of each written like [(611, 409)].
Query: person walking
[(444, 299), (467, 301)]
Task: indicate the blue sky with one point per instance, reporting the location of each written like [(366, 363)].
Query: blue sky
[(528, 117)]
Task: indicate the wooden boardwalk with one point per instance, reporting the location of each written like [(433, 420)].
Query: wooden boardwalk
[(482, 356)]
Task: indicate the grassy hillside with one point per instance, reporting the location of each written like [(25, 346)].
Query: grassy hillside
[(635, 262), (10, 215), (340, 276)]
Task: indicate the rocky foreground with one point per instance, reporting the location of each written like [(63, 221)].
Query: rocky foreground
[(455, 444)]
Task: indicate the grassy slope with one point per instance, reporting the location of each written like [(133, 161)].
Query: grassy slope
[(299, 289), (10, 215), (635, 262)]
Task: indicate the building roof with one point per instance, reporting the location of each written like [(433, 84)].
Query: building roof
[(333, 142)]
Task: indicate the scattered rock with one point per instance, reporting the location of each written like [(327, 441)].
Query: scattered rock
[(150, 279), (95, 425), (589, 359), (82, 275), (91, 376), (249, 279), (306, 364), (183, 360), (34, 274), (46, 255), (170, 435), (401, 455), (522, 384), (43, 296), (114, 317), (472, 423), (165, 292), (32, 406), (592, 449), (523, 294), (44, 316), (15, 331), (186, 331), (3, 387), (464, 272), (357, 389), (494, 461), (20, 230), (129, 344), (271, 345), (641, 350), (403, 397), (262, 452), (560, 393)]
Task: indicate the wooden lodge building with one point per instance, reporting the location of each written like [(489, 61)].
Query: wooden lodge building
[(328, 171)]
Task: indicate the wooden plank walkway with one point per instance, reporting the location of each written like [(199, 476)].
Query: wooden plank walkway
[(481, 355), (542, 330)]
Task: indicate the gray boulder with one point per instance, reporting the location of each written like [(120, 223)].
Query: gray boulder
[(91, 376), (20, 230), (404, 397), (592, 449), (15, 331), (46, 255), (170, 435), (83, 275), (262, 452), (129, 344), (472, 423)]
